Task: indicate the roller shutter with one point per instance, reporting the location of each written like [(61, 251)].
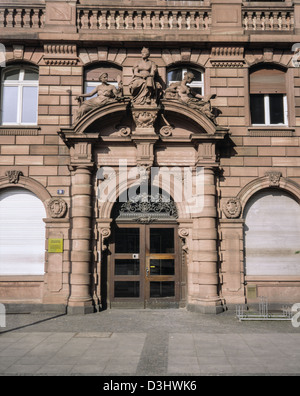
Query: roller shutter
[(22, 233)]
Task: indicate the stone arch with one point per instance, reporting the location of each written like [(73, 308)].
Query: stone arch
[(268, 56), (19, 53), (16, 179), (272, 179), (203, 123), (196, 57), (106, 208), (89, 56), (189, 63), (259, 63)]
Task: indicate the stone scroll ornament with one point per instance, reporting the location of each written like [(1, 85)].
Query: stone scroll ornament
[(106, 94), (232, 208), (57, 207), (183, 93), (105, 234)]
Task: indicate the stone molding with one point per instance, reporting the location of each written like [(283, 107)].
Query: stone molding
[(60, 55), (20, 131)]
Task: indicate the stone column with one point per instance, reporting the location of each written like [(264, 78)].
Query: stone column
[(80, 300), (204, 277)]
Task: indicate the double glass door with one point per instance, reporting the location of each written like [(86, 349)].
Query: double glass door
[(144, 267)]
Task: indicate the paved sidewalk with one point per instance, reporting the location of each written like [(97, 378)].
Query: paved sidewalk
[(147, 343)]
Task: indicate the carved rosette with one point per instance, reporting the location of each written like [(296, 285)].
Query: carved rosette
[(13, 176), (232, 208), (166, 131), (57, 208)]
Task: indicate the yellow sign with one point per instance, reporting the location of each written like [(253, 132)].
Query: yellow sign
[(55, 246), (252, 292)]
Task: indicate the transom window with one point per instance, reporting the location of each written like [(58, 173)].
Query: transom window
[(19, 96), (177, 74)]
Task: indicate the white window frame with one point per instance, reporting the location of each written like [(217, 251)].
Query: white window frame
[(268, 115), (194, 84), (20, 84)]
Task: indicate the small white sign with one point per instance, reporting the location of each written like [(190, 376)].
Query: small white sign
[(2, 315)]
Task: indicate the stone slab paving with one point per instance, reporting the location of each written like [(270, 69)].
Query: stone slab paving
[(147, 343)]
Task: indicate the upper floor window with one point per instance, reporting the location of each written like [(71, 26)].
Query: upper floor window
[(176, 74), (268, 99), (92, 74), (19, 95)]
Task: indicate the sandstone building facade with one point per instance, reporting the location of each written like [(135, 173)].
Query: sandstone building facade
[(73, 235)]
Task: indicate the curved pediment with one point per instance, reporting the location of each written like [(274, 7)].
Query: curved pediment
[(180, 117), (173, 108), (86, 122)]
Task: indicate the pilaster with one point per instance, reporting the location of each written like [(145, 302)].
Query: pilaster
[(80, 300)]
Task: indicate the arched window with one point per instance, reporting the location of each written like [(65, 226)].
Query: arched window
[(272, 234), (19, 95), (176, 74), (22, 233), (92, 74), (268, 99)]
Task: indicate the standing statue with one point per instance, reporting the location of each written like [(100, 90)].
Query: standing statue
[(143, 88), (183, 93), (106, 93)]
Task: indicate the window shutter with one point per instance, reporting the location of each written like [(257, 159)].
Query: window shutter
[(267, 81)]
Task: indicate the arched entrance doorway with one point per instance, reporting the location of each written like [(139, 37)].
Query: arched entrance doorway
[(144, 267)]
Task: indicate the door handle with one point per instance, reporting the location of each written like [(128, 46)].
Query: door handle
[(147, 271)]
